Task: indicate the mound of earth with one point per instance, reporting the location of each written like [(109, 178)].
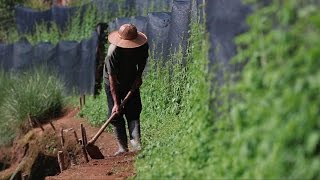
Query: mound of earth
[(34, 155)]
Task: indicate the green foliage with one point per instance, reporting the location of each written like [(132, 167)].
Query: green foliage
[(78, 2), (273, 119), (264, 126), (95, 110), (44, 34), (79, 27), (6, 17), (159, 6), (6, 133), (36, 93), (176, 120), (176, 117), (37, 4)]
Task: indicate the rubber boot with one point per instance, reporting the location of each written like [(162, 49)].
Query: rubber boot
[(135, 134), (121, 135)]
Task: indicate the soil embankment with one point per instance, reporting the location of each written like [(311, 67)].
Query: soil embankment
[(119, 167)]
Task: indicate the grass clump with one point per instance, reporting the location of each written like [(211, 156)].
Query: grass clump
[(36, 93), (95, 110)]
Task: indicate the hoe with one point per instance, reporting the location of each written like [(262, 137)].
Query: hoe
[(94, 151)]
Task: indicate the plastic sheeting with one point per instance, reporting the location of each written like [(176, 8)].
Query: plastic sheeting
[(113, 6), (143, 6), (22, 51), (86, 71), (44, 54), (178, 35), (27, 18), (225, 20), (68, 61), (158, 29), (6, 52), (61, 15), (73, 61)]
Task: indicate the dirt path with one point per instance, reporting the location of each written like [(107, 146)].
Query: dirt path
[(119, 167)]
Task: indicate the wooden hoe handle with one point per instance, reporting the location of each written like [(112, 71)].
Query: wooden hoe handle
[(104, 126)]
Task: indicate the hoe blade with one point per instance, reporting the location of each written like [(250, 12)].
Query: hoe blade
[(94, 152)]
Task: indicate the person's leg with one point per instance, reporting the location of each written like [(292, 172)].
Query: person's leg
[(119, 129), (118, 125), (132, 111), (135, 134)]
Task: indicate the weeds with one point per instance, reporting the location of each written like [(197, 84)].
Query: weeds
[(36, 93), (37, 4), (95, 110)]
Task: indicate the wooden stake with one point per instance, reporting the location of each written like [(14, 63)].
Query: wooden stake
[(25, 177), (52, 125), (30, 121), (61, 137), (82, 134), (76, 136), (84, 143), (85, 155), (81, 102), (61, 160), (85, 140), (39, 124)]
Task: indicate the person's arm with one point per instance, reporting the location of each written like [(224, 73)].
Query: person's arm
[(112, 76), (113, 88)]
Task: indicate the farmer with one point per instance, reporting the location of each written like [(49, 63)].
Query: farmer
[(124, 64)]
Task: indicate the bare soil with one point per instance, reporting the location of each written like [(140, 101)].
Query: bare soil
[(112, 167)]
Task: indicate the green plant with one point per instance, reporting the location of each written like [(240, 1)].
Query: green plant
[(7, 17), (6, 133), (176, 118), (81, 26), (37, 4), (36, 93), (78, 2), (95, 110), (44, 33), (272, 118)]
